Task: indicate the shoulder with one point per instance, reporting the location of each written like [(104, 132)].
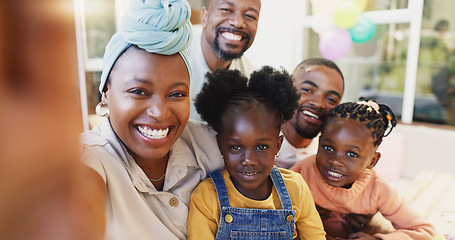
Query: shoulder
[(289, 175), (204, 187), (199, 133), (383, 188), (204, 193), (93, 137), (242, 64), (196, 40), (294, 181), (305, 164), (100, 148), (201, 138)]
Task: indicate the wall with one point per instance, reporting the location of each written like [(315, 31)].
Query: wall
[(411, 149), (277, 35)]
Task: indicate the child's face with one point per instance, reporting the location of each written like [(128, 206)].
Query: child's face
[(249, 142), (345, 150), (148, 102)]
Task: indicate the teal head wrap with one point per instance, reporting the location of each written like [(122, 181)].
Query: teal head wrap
[(157, 26)]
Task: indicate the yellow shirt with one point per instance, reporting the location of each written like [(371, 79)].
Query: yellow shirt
[(205, 209)]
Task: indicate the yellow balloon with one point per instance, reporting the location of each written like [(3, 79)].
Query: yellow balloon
[(346, 14), (362, 4)]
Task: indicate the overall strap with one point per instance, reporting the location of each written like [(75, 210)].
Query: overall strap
[(221, 189), (280, 187)]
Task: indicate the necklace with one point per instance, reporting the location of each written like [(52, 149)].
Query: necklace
[(156, 180)]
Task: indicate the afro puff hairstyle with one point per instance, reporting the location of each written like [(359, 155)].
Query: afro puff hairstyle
[(227, 89)]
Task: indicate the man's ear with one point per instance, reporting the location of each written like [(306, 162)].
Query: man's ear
[(204, 17), (374, 160)]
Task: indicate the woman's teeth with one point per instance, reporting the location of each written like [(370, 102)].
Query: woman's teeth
[(153, 133), (334, 174)]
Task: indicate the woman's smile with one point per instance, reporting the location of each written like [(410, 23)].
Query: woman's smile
[(153, 133)]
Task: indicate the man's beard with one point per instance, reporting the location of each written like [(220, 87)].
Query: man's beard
[(308, 133), (225, 55)]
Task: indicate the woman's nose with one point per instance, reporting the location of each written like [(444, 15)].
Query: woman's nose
[(158, 109)]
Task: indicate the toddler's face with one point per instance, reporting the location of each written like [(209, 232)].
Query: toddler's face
[(249, 141), (345, 150)]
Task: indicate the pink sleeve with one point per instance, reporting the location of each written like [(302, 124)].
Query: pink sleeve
[(407, 222)]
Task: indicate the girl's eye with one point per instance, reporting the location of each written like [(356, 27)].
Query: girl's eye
[(262, 147), (352, 154), (327, 148), (234, 147)]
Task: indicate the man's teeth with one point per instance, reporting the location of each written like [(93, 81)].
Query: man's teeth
[(153, 133), (334, 174), (231, 36), (306, 112)]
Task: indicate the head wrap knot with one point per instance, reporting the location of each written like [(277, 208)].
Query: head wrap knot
[(157, 26)]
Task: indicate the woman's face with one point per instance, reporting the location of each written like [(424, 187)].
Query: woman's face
[(148, 102), (346, 149), (249, 141)]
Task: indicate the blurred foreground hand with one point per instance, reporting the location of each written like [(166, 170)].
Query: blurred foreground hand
[(44, 190)]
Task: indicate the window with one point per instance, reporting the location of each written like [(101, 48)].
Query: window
[(379, 68)]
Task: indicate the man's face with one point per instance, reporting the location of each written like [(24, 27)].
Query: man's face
[(321, 89), (230, 26)]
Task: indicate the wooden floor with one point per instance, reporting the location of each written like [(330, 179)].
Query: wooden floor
[(432, 194)]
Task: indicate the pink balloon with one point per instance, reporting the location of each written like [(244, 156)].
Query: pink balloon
[(335, 43)]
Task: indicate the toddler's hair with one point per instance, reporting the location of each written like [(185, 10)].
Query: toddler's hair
[(364, 111), (268, 89)]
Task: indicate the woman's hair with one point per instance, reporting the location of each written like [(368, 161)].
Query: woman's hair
[(379, 121), (267, 89)]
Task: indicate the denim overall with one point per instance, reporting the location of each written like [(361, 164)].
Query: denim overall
[(245, 223)]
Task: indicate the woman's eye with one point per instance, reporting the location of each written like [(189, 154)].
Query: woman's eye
[(138, 92), (352, 154), (262, 147), (178, 94)]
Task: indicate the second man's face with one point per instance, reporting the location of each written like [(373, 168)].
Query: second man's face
[(321, 89), (230, 26)]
